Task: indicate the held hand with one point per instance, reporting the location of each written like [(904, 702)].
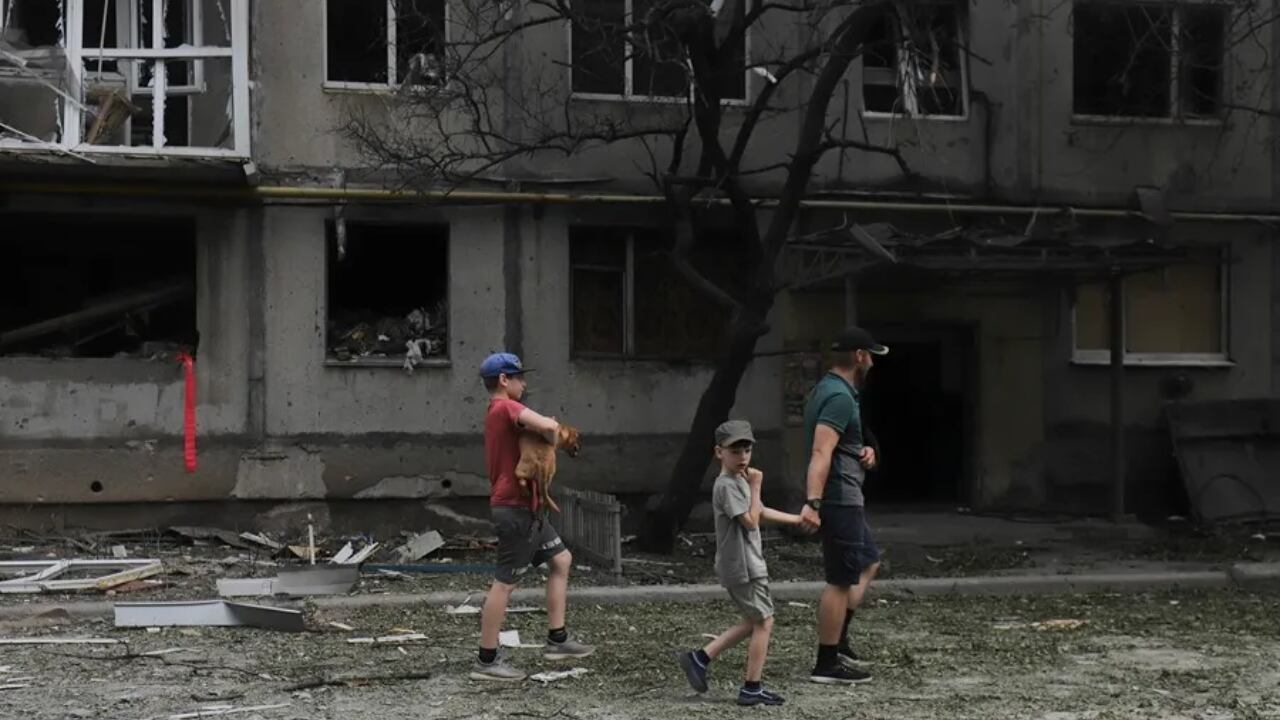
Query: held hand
[(798, 522), (867, 458), (809, 519), (754, 476)]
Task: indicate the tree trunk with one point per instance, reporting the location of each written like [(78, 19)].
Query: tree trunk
[(665, 519)]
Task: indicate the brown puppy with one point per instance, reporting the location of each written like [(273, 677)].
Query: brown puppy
[(538, 461)]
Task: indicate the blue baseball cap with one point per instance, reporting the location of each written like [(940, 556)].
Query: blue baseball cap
[(502, 363)]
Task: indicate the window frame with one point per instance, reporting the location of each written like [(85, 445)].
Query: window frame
[(1176, 114), (629, 311), (1222, 358), (76, 56), (396, 361), (393, 69), (962, 41), (628, 94)]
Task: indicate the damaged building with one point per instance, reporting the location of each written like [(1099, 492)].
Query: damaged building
[(174, 179)]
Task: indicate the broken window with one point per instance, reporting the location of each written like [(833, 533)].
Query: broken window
[(387, 292), (914, 63), (628, 299), (121, 81), (1150, 61), (1171, 313), (369, 43), (97, 286), (649, 64)]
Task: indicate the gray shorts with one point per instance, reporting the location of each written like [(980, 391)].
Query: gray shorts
[(753, 599), (524, 541)]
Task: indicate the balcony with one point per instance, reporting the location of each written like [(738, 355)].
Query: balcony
[(87, 79)]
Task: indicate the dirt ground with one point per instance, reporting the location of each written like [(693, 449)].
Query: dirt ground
[(1202, 656)]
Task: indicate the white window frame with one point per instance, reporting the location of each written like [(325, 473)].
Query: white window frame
[(76, 54), (195, 29), (1175, 115), (1222, 358), (888, 77), (391, 85), (628, 93)]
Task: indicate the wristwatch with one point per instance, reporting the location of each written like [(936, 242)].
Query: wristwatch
[(815, 503)]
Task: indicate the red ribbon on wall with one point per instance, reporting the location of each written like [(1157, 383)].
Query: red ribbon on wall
[(189, 412)]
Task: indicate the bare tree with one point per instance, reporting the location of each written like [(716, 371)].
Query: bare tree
[(487, 101), (491, 100)]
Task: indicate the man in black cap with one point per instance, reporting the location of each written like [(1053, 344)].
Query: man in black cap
[(838, 460)]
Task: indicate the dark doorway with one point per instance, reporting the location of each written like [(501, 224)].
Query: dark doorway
[(918, 403)]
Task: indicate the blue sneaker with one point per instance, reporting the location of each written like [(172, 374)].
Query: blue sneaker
[(694, 670), (758, 697)]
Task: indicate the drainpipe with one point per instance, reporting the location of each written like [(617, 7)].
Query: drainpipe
[(844, 132), (1116, 328)]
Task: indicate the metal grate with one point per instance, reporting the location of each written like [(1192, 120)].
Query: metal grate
[(591, 525)]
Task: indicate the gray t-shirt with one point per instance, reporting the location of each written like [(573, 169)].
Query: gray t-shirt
[(739, 552)]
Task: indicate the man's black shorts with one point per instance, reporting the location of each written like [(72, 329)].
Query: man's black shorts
[(847, 545), (524, 541)]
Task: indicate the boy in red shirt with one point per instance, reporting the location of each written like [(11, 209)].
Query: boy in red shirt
[(524, 539)]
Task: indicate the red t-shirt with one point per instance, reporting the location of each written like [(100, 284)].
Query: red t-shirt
[(502, 453)]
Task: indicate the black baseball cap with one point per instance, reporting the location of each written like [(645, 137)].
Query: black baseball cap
[(855, 338)]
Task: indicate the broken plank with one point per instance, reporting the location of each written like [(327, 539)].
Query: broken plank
[(364, 554), (343, 555), (387, 639), (59, 641), (127, 576), (213, 712), (262, 540)]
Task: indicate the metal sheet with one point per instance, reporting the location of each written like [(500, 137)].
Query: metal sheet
[(317, 580), (246, 587), (213, 613), (1229, 454), (267, 618), (207, 613)]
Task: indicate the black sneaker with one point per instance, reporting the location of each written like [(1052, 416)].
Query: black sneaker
[(839, 675), (758, 697), (695, 671), (846, 654)]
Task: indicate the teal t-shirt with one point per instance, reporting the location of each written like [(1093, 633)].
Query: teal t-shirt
[(834, 402)]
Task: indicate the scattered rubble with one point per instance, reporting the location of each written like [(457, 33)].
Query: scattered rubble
[(416, 337)]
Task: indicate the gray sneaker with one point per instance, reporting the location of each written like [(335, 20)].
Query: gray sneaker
[(567, 650), (497, 671)]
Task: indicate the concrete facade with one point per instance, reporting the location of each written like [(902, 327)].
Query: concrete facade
[(278, 422)]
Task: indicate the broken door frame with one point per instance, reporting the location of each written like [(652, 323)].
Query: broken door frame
[(72, 42)]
